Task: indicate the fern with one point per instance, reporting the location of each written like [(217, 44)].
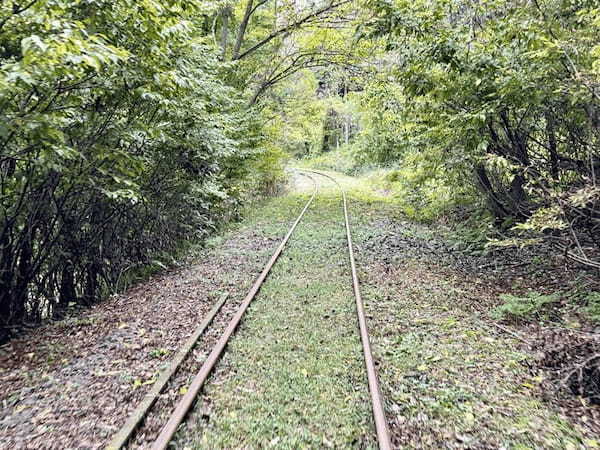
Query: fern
[(523, 307)]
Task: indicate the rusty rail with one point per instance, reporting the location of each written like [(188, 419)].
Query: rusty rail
[(188, 399), (182, 408), (381, 426), (137, 416)]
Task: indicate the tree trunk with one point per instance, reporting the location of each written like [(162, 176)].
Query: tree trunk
[(494, 204), (225, 31), (66, 292), (242, 30), (21, 287), (6, 279), (552, 148)]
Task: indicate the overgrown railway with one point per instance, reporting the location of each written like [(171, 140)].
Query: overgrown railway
[(135, 423)]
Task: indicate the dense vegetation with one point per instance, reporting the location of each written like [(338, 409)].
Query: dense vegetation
[(504, 94), (488, 106), (129, 128), (119, 140)]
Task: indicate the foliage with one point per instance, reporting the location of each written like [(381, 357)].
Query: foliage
[(527, 306), (502, 96), (421, 196), (337, 160), (381, 138), (276, 39), (592, 310), (297, 116), (130, 127), (119, 138)]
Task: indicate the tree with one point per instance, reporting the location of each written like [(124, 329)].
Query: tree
[(114, 152), (507, 92)]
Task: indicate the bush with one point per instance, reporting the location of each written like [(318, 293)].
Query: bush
[(338, 160), (501, 96), (420, 197), (113, 151)]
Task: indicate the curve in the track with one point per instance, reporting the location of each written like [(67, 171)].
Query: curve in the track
[(381, 426), (186, 402)]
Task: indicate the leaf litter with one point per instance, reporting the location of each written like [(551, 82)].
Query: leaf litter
[(452, 376), (73, 383)]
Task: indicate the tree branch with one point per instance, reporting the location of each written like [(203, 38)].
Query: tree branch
[(286, 28)]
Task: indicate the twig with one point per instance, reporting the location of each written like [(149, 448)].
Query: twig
[(516, 335)]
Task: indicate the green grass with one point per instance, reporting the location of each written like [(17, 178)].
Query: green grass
[(592, 310), (524, 307), (293, 375)]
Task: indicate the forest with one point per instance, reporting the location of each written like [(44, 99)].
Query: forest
[(134, 131), (115, 152)]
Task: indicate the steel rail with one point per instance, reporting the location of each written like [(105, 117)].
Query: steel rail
[(187, 401), (381, 426), (137, 416)]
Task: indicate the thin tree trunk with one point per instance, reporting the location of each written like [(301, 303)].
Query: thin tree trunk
[(225, 30), (66, 292), (347, 116), (550, 130), (494, 203), (242, 30), (347, 129)]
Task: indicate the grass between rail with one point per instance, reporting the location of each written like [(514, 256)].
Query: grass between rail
[(293, 376)]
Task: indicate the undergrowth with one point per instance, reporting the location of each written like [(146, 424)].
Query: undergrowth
[(524, 307), (592, 310), (337, 160)]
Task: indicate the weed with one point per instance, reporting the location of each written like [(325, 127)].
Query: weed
[(592, 310), (158, 352), (537, 260), (523, 307)]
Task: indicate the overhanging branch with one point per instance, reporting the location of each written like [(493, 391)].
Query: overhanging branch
[(307, 19)]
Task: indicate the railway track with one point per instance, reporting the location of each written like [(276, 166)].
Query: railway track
[(127, 434)]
